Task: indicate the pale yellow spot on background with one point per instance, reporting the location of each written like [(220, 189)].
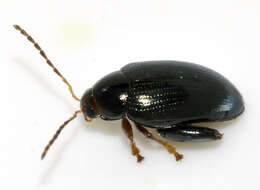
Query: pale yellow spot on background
[(75, 33)]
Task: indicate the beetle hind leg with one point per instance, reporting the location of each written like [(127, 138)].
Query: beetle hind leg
[(188, 133), (129, 133), (149, 135)]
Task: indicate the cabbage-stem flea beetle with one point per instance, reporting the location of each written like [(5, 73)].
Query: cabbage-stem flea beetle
[(168, 96)]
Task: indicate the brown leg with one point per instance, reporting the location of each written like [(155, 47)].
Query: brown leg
[(170, 148), (129, 133)]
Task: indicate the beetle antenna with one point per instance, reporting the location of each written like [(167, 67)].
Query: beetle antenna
[(36, 45), (46, 149)]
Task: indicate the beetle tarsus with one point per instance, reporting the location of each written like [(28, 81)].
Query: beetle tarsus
[(178, 156), (135, 152), (170, 148), (219, 135), (129, 133), (140, 159)]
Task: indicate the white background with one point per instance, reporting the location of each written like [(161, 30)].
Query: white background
[(89, 39)]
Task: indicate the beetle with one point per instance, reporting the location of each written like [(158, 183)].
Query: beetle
[(168, 96)]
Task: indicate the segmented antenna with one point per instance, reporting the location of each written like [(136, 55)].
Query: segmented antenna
[(36, 45), (58, 133)]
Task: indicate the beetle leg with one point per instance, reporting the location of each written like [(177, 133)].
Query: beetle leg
[(149, 135), (184, 133), (129, 133)]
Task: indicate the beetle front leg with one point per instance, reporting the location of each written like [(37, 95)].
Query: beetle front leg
[(185, 133), (129, 133), (149, 135)]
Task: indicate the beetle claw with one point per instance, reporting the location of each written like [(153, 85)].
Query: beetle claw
[(178, 156), (219, 135), (140, 158)]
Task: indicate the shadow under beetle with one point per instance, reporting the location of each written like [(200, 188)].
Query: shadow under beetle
[(168, 96)]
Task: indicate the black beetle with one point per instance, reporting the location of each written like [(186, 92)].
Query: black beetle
[(169, 96)]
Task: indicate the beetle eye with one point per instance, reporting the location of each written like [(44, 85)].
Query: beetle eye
[(88, 105), (90, 112)]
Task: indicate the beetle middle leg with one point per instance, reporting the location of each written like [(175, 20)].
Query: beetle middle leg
[(149, 135), (129, 133)]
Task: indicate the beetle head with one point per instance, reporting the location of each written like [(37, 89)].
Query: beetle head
[(88, 105)]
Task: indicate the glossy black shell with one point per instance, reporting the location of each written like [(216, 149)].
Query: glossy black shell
[(111, 94), (166, 93)]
